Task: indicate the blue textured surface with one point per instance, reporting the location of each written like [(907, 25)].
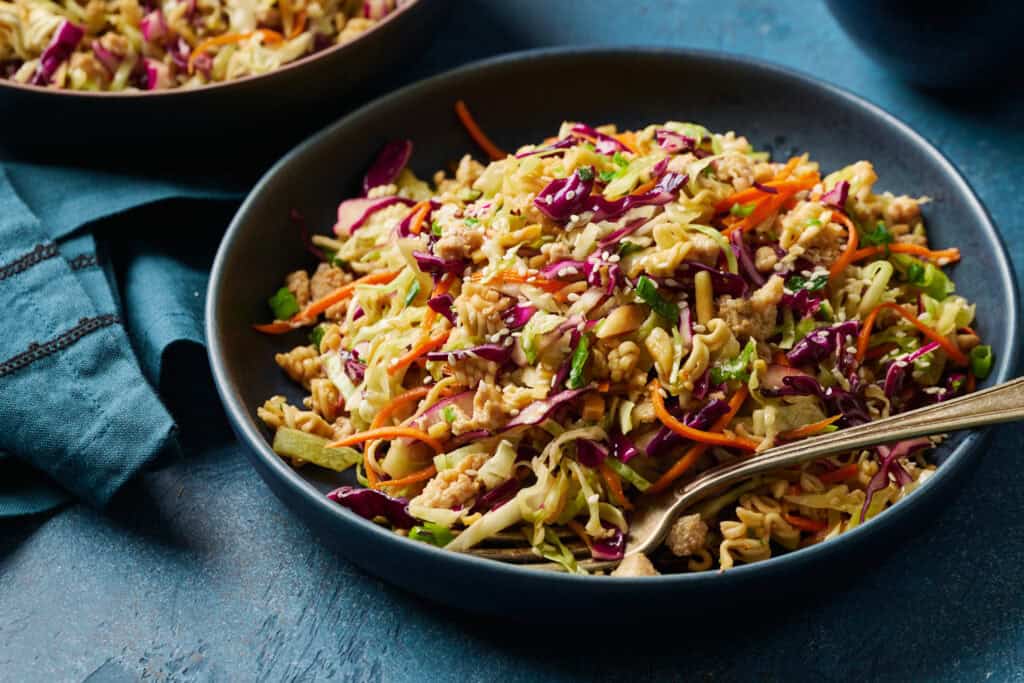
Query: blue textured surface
[(201, 574)]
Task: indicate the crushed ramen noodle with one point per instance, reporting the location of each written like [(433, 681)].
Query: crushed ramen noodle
[(116, 45), (534, 344)]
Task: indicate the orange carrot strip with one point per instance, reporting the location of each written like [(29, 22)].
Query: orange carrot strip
[(788, 169), (479, 137), (787, 187), (852, 241), (422, 348), (514, 277), (269, 37), (627, 140), (695, 451), (841, 474), (578, 529), (698, 435), (803, 523), (954, 353), (419, 212), (388, 433), (615, 486), (416, 477), (947, 255), (646, 187), (809, 429), (315, 308), (397, 402), (298, 24), (780, 359)]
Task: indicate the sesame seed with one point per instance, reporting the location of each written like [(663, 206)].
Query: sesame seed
[(573, 296), (571, 194)]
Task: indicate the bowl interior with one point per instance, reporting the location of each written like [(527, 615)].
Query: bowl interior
[(523, 98)]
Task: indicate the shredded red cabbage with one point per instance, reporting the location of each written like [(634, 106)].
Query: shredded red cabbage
[(623, 448), (603, 144), (673, 142), (765, 188), (896, 373), (803, 302), (370, 504), (616, 236), (498, 496), (837, 195), (154, 27), (852, 407), (108, 59), (405, 226), (590, 453), (442, 304), (823, 342), (355, 370), (610, 548), (664, 192), (517, 316), (429, 263), (567, 141), (745, 258), (890, 466), (564, 270), (538, 411), (64, 42), (565, 197), (353, 213), (390, 161)]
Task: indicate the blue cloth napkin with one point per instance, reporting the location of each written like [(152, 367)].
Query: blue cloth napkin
[(98, 291)]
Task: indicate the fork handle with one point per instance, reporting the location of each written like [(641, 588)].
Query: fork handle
[(1001, 403)]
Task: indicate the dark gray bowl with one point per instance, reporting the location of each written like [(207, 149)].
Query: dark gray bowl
[(525, 97)]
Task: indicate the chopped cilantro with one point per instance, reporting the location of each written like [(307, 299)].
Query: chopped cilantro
[(626, 248), (449, 414), (585, 173), (813, 284), (606, 176), (915, 273), (316, 335)]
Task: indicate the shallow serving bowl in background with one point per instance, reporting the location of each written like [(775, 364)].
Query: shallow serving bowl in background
[(237, 122), (521, 98)]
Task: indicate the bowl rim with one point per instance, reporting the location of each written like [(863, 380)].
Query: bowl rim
[(338, 48), (958, 459)]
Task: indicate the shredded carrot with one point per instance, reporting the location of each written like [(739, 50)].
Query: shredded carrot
[(397, 402), (838, 475), (809, 429), (804, 523), (422, 348), (972, 382), (269, 37), (298, 24), (370, 467), (688, 432), (512, 276), (315, 308), (780, 358), (788, 169), (578, 529), (941, 255), (876, 352), (419, 213), (479, 137), (646, 187), (695, 451), (954, 353), (414, 478), (388, 433), (611, 478), (849, 251), (770, 203), (627, 140), (603, 387), (786, 187)]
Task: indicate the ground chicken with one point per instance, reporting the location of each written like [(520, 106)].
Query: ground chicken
[(479, 308), (903, 210), (326, 279), (753, 317), (459, 241), (622, 360), (687, 536), (765, 259), (489, 411), (90, 66), (635, 565), (822, 243), (736, 168), (469, 170), (453, 487), (298, 284)]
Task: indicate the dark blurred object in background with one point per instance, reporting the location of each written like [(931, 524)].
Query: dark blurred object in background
[(938, 44)]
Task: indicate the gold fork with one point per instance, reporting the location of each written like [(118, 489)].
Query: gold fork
[(654, 516)]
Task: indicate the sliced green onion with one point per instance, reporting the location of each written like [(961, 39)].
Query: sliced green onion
[(579, 363), (317, 334), (743, 210), (628, 473), (283, 304), (413, 291), (432, 533), (981, 361), (648, 291)]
